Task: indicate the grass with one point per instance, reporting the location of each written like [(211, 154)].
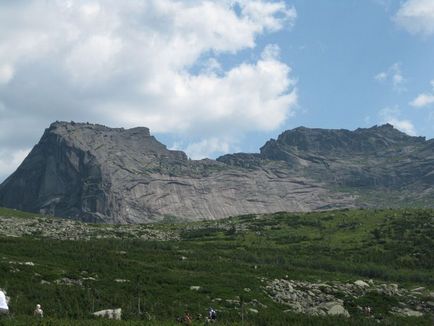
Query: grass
[(16, 213), (229, 260)]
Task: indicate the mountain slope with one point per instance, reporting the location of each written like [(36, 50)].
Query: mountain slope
[(95, 173)]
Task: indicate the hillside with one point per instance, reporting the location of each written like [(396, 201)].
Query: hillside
[(100, 174), (274, 269)]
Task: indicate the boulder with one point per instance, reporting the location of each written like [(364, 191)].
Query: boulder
[(69, 282), (393, 289), (338, 310), (331, 304), (361, 284), (115, 314), (407, 312), (315, 311)]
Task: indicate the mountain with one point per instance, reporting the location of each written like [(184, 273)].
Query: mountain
[(100, 174)]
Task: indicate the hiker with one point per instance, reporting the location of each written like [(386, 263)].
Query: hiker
[(369, 311), (38, 312), (187, 318), (4, 309), (212, 315)]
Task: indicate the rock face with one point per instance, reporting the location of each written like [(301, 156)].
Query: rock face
[(331, 298), (377, 157), (100, 174)]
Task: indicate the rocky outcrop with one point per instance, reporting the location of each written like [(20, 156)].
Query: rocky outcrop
[(115, 175), (378, 157), (64, 229), (332, 298), (115, 314)]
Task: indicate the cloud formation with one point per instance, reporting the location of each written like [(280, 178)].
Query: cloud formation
[(416, 16), (206, 147), (393, 116), (155, 63), (424, 99), (394, 75)]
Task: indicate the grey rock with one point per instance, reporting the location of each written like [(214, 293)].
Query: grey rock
[(361, 284), (115, 175), (115, 314), (330, 305), (315, 312), (234, 302), (317, 299), (195, 288), (63, 229), (408, 312), (338, 310), (69, 282)]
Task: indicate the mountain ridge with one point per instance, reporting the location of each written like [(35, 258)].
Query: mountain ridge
[(95, 173)]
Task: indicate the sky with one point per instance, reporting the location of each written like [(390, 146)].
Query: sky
[(213, 76)]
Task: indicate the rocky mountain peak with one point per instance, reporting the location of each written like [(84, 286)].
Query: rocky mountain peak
[(100, 140), (96, 173), (326, 142)]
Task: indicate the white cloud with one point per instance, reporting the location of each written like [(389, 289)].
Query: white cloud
[(136, 63), (417, 16), (208, 148), (9, 160), (6, 73), (246, 98), (261, 13), (93, 60), (381, 76), (424, 99), (393, 116), (394, 75)]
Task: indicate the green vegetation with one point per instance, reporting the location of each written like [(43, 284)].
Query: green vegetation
[(226, 262), (16, 213)]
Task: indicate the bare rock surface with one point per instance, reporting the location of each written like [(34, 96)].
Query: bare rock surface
[(114, 175), (331, 298), (64, 229)]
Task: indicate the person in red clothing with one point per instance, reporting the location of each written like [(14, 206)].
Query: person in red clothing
[(187, 318)]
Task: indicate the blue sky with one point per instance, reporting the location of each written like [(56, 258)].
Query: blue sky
[(212, 77), (336, 49)]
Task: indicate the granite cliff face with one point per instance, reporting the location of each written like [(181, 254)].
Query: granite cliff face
[(95, 173), (377, 158)]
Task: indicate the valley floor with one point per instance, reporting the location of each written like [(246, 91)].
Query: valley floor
[(322, 268)]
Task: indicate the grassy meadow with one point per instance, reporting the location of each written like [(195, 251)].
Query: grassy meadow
[(222, 264)]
